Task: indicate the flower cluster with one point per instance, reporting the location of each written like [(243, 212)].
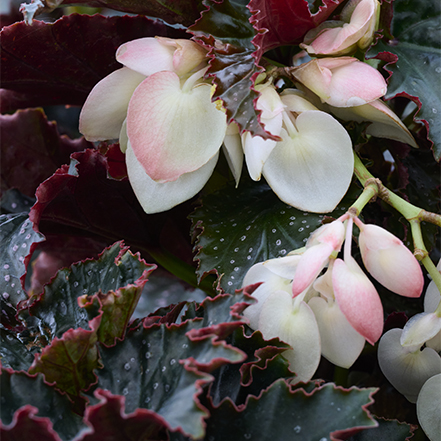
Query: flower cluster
[(334, 313), (413, 370), (160, 107)]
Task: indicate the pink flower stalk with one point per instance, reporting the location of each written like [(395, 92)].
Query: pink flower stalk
[(389, 261), (344, 37), (342, 82), (325, 241)]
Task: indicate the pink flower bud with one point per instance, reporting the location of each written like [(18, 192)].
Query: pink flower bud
[(342, 82), (389, 261)]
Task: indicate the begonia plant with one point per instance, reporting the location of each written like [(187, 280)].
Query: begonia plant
[(220, 220)]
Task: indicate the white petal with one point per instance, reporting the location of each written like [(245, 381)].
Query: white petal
[(341, 343), (406, 368), (106, 106), (297, 327), (283, 266), (257, 149), (312, 170), (432, 297), (429, 408), (156, 197), (123, 138), (420, 328), (272, 283), (233, 152)]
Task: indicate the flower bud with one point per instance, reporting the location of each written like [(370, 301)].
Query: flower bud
[(389, 261)]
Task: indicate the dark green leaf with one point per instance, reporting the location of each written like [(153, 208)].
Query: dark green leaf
[(292, 415), (69, 362), (240, 227), (16, 241), (13, 201), (19, 389), (152, 369), (386, 431), (416, 52), (13, 351), (116, 268)]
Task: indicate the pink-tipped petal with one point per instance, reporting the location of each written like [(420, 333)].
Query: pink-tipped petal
[(146, 55), (106, 106), (390, 262), (332, 234), (341, 343), (406, 368), (429, 408), (312, 261), (358, 299), (187, 56), (294, 324), (312, 168), (157, 197), (172, 131)]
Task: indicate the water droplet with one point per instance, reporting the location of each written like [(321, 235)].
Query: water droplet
[(304, 221), (125, 391), (243, 238), (172, 362), (132, 360), (434, 110), (234, 225), (236, 268), (300, 229), (5, 295), (28, 236), (63, 308), (113, 280), (282, 212), (338, 409), (164, 368), (14, 205), (278, 242), (236, 250), (185, 345), (248, 257), (75, 284), (292, 218), (15, 248), (221, 239), (147, 400), (297, 429), (21, 259), (155, 386), (282, 252), (22, 231), (438, 70), (248, 227), (12, 285), (250, 250), (84, 291), (148, 355), (6, 266), (89, 273), (232, 261), (215, 248), (127, 366), (24, 245), (9, 337), (7, 278), (323, 439), (230, 283), (273, 230)]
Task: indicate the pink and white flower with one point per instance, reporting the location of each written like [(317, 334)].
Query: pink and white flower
[(160, 108)]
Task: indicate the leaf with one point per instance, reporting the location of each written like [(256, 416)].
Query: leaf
[(183, 12), (69, 361), (66, 204), (233, 65), (61, 62), (108, 420), (386, 431), (116, 276), (414, 60), (14, 352), (13, 201), (296, 416), (237, 228), (19, 389), (157, 368), (32, 149), (18, 240)]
